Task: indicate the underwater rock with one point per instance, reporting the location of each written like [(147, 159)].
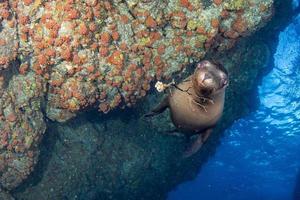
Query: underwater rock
[(21, 127), (60, 57), (106, 53)]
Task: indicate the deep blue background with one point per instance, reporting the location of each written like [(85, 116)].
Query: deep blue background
[(259, 156)]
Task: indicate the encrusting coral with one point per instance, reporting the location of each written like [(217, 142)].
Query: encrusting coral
[(60, 57)]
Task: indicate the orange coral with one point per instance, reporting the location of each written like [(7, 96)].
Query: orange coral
[(2, 42), (224, 14), (123, 46), (215, 23), (94, 46), (23, 68), (83, 30), (5, 14), (73, 14), (186, 4), (105, 38), (103, 51), (50, 52), (116, 58), (150, 22), (66, 54), (108, 5), (42, 59), (92, 27), (24, 20), (115, 35), (27, 2), (124, 19), (56, 82), (4, 60), (217, 2), (201, 30), (239, 25), (90, 68)]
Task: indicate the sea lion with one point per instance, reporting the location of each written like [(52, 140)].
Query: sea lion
[(196, 104)]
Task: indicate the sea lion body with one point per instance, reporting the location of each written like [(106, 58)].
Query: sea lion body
[(187, 115), (197, 103)]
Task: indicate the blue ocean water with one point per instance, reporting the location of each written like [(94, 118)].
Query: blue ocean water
[(259, 156)]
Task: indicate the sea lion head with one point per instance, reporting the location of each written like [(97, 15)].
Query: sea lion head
[(209, 78)]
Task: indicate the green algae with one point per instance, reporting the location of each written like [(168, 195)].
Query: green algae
[(193, 24), (144, 41), (236, 4)]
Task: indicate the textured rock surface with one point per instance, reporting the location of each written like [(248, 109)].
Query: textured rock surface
[(60, 57), (21, 127), (108, 52)]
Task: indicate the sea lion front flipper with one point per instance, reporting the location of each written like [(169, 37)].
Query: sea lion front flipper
[(161, 107), (197, 144)]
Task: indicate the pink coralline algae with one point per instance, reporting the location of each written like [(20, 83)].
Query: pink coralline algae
[(59, 57)]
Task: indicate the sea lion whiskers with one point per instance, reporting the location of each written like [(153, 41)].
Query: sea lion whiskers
[(204, 99), (199, 104), (200, 97)]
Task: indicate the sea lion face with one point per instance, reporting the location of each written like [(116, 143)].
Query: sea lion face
[(210, 78)]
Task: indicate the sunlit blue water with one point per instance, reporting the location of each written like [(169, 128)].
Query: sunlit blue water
[(259, 157)]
